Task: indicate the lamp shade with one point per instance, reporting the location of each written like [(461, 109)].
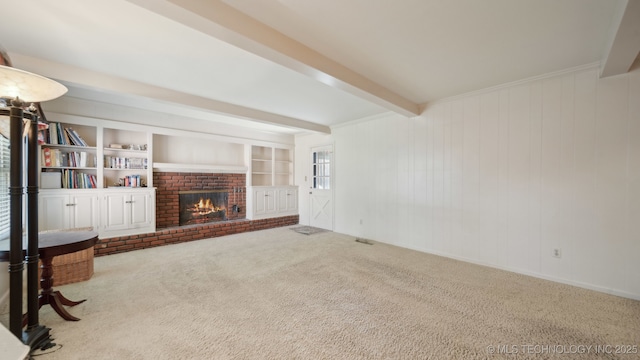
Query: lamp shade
[(28, 86)]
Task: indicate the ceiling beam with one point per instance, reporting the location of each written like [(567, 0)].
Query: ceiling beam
[(624, 44), (92, 79), (225, 23)]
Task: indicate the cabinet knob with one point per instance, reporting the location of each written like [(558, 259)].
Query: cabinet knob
[(129, 202), (71, 204)]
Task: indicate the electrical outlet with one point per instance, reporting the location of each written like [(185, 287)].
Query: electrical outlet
[(557, 253), (360, 221)]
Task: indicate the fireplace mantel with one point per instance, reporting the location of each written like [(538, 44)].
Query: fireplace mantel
[(189, 168)]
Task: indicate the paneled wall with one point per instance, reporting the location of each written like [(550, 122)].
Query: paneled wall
[(505, 176)]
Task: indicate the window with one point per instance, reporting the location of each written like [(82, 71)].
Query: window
[(5, 170), (321, 170)]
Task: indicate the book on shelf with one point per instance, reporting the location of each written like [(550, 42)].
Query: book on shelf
[(73, 179), (57, 134), (131, 181), (46, 157), (75, 138), (51, 157), (57, 158), (116, 162)]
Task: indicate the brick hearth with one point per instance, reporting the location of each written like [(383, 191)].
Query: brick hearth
[(167, 218)]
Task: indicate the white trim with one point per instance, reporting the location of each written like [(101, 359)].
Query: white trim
[(369, 118), (575, 69)]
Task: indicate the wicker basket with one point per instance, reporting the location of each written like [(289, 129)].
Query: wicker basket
[(71, 268), (74, 267)]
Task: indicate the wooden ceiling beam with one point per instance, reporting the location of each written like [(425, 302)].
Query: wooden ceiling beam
[(624, 44), (217, 19)]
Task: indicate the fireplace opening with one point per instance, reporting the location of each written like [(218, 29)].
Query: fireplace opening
[(202, 206)]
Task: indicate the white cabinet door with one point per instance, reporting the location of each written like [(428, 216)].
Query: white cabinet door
[(292, 200), (83, 211), (53, 212), (265, 201), (115, 211), (139, 210), (287, 200), (66, 211)]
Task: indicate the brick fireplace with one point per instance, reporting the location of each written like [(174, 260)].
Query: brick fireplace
[(169, 185), (168, 229), (203, 206)]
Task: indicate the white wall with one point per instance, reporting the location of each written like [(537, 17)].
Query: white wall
[(174, 149), (504, 176)]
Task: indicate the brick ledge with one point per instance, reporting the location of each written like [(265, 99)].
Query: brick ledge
[(180, 234)]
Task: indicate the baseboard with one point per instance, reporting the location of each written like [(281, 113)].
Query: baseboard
[(583, 285)]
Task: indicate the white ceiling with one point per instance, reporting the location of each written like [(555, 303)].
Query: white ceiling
[(303, 65)]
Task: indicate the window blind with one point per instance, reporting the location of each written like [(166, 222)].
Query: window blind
[(5, 170)]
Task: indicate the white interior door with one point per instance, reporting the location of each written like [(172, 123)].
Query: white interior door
[(321, 191)]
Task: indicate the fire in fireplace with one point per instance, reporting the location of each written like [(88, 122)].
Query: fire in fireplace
[(202, 206)]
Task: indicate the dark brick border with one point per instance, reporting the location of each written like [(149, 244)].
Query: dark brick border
[(188, 233)]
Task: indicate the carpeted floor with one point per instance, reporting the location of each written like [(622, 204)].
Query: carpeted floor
[(274, 294)]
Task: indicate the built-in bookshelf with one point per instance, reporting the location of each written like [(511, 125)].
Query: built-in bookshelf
[(271, 166), (283, 167), (68, 156), (261, 166), (126, 158), (75, 156)]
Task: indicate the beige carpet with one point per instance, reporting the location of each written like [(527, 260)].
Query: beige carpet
[(278, 294)]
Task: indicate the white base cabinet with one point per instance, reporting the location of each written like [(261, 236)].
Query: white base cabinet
[(110, 212), (287, 200), (68, 209), (272, 201), (127, 212)]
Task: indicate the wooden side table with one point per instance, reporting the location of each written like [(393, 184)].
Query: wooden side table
[(50, 245)]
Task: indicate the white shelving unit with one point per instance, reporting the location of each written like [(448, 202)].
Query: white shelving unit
[(60, 161), (283, 167), (261, 166), (119, 161), (126, 159), (270, 166), (271, 192)]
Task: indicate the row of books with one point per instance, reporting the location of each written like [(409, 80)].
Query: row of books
[(131, 181), (73, 179), (115, 162), (57, 134), (57, 158)]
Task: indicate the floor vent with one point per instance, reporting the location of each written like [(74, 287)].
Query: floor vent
[(364, 241)]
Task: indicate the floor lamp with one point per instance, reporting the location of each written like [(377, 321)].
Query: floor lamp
[(19, 88)]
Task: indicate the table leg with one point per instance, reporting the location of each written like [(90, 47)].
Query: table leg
[(65, 301), (54, 298), (56, 304)]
